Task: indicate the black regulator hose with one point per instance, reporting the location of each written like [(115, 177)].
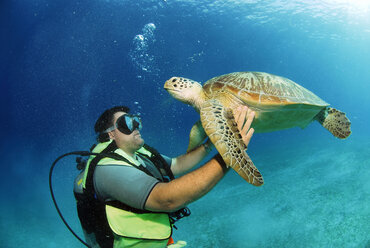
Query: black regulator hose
[(79, 153)]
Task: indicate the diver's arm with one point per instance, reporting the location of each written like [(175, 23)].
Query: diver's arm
[(186, 162), (178, 193)]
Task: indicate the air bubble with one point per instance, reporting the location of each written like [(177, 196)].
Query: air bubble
[(140, 54)]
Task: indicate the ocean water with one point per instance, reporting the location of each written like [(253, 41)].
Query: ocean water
[(64, 62)]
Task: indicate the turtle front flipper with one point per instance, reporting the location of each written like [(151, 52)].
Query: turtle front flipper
[(335, 121), (220, 126), (196, 136)]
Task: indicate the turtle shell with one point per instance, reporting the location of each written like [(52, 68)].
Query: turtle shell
[(279, 103), (260, 88)]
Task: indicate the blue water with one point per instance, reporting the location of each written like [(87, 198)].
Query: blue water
[(63, 62)]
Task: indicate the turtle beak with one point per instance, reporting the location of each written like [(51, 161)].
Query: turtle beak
[(171, 84)]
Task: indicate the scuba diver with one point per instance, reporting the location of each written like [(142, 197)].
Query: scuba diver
[(129, 195)]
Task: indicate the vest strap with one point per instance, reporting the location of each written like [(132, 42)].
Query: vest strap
[(159, 162), (90, 173)]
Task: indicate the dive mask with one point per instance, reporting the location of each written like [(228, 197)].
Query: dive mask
[(126, 124)]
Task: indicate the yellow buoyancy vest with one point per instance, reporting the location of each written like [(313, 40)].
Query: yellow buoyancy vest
[(149, 225)]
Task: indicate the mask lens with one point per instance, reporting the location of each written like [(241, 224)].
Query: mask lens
[(128, 123), (136, 123)]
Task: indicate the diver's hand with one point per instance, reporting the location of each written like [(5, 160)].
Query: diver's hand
[(243, 117)]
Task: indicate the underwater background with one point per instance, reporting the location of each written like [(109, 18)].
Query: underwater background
[(63, 62)]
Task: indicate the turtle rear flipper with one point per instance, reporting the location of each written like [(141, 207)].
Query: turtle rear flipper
[(220, 126), (335, 121)]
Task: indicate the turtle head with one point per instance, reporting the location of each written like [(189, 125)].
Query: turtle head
[(185, 90)]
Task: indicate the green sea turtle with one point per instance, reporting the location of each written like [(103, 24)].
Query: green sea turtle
[(278, 102)]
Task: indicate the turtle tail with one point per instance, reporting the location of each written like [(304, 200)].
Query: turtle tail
[(335, 121)]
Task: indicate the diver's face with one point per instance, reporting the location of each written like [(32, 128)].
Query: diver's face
[(127, 142)]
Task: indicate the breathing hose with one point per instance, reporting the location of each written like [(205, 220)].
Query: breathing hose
[(78, 153)]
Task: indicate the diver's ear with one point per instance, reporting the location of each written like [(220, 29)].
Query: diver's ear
[(111, 135)]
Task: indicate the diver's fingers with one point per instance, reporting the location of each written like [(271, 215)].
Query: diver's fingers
[(239, 116), (247, 137), (237, 113), (247, 116), (248, 123)]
